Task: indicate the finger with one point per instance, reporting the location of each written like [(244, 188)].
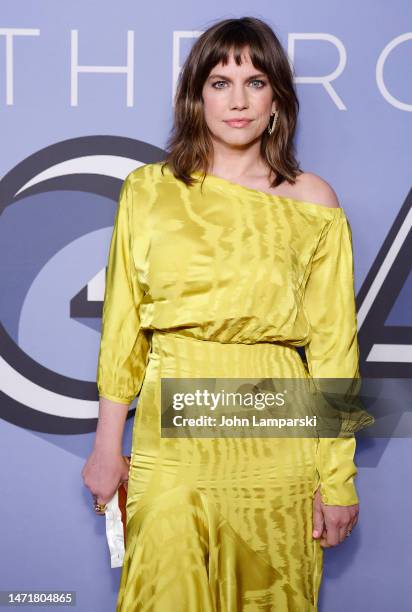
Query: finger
[(332, 535), (351, 525), (347, 530), (354, 521), (343, 531), (318, 522), (324, 539)]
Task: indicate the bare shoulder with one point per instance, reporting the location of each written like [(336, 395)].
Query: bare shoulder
[(312, 188)]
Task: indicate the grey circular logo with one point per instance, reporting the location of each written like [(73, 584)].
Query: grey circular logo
[(58, 208)]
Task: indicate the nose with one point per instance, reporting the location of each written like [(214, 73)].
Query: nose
[(238, 96)]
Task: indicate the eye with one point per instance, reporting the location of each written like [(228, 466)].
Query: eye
[(262, 83), (217, 83)]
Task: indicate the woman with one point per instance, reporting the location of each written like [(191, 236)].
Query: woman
[(226, 277)]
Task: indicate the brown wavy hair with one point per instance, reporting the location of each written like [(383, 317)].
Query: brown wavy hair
[(189, 146)]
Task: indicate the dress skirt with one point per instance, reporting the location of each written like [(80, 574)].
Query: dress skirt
[(218, 524)]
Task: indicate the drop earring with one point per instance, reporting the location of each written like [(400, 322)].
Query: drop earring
[(271, 127)]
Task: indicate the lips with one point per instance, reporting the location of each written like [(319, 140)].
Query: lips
[(238, 122)]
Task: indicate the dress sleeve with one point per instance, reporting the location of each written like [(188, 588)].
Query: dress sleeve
[(332, 350), (124, 345)]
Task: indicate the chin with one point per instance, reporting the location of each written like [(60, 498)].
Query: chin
[(239, 139)]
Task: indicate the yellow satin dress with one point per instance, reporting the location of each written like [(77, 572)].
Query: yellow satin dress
[(223, 280)]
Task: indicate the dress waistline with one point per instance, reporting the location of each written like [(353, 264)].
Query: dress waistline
[(185, 354)]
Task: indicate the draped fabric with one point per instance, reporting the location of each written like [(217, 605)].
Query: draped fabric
[(221, 280)]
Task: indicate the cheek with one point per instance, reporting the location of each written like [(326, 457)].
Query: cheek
[(264, 104), (213, 107)]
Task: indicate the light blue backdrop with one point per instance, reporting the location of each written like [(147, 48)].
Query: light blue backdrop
[(354, 131)]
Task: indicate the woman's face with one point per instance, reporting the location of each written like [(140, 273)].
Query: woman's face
[(237, 92)]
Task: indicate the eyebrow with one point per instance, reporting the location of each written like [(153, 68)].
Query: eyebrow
[(222, 76)]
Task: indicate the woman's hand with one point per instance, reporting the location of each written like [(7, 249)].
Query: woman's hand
[(332, 523), (103, 472)]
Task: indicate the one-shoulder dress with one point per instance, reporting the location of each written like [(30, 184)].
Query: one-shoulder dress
[(222, 280)]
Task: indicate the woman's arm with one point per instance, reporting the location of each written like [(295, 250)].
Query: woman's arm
[(105, 467), (333, 352), (110, 426), (124, 345), (123, 356)]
